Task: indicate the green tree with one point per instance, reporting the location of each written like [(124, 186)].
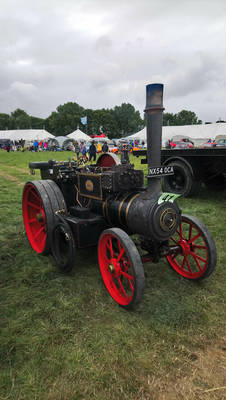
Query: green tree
[(102, 121), (19, 119), (65, 120), (128, 120), (169, 119), (37, 123), (4, 121), (185, 117)]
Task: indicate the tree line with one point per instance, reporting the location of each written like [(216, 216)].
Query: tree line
[(116, 122)]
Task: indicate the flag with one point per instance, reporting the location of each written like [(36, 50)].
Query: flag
[(84, 120)]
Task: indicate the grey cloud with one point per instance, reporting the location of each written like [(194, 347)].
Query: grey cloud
[(100, 54)]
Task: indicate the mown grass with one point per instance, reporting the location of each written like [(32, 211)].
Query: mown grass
[(63, 337)]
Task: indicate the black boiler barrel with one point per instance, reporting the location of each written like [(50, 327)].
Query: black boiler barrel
[(140, 214)]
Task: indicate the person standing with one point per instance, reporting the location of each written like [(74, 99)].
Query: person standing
[(77, 149), (92, 151), (8, 147), (105, 147), (35, 144)]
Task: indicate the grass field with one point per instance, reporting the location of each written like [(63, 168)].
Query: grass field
[(63, 338)]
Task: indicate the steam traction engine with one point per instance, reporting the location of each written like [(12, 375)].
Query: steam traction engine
[(79, 206)]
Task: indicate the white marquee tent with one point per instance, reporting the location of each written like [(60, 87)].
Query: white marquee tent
[(198, 133), (60, 141), (79, 136), (26, 134)]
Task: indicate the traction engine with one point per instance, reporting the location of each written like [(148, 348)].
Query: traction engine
[(104, 204)]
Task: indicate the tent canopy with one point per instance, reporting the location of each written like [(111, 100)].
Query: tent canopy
[(195, 132), (79, 136), (26, 134), (59, 141)]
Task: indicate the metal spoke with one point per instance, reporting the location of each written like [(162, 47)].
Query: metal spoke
[(33, 205), (194, 238), (106, 259), (36, 195), (197, 256), (32, 220), (109, 245), (196, 246), (120, 254), (188, 264), (121, 286), (38, 232), (130, 277), (182, 266), (181, 232)]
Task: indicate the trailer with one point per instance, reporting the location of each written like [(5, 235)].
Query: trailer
[(192, 167), (105, 204)]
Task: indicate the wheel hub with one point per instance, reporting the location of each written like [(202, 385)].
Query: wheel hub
[(186, 248), (114, 267), (40, 217), (111, 268)]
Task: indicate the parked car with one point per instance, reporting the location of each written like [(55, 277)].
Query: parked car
[(220, 143), (208, 145), (190, 143), (178, 144)]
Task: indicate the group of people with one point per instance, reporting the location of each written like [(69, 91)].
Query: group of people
[(92, 151), (79, 149), (19, 145), (39, 146), (135, 143)]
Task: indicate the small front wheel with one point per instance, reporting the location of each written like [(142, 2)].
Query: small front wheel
[(121, 267), (196, 256)]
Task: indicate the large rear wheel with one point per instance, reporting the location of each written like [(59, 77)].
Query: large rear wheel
[(196, 256), (182, 181), (41, 199), (121, 267)]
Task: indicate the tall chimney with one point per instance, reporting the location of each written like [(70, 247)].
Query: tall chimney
[(154, 110)]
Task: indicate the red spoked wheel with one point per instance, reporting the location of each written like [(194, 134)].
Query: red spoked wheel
[(41, 199), (121, 267), (196, 256)]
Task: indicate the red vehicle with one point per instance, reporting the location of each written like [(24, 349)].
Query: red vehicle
[(178, 144), (208, 145)]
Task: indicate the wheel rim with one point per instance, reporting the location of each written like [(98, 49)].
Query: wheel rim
[(116, 269), (34, 218), (191, 261)]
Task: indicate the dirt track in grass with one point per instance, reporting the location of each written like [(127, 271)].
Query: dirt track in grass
[(11, 178), (206, 380)]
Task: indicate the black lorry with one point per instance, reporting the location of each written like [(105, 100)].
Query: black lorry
[(191, 168)]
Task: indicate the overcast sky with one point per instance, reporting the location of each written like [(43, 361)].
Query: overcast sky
[(100, 53)]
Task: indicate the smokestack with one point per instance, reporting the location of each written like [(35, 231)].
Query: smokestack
[(154, 110)]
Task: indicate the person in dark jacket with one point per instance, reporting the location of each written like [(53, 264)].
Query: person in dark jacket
[(92, 151), (105, 147)]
